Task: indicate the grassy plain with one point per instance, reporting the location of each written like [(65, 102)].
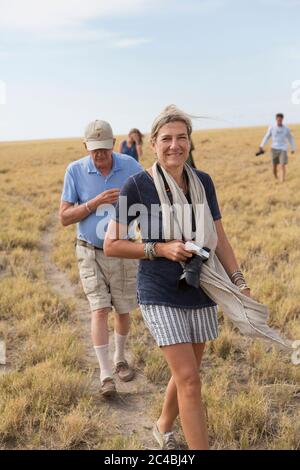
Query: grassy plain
[(251, 390)]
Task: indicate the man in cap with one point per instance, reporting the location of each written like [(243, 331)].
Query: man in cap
[(91, 188), (281, 136)]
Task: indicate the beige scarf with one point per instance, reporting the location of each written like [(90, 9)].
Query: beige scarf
[(248, 315)]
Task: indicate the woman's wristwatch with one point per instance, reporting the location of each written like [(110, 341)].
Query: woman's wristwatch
[(149, 250)]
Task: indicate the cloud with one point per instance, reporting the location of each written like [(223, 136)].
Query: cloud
[(70, 21), (36, 16), (130, 42), (290, 52), (281, 3), (4, 54), (81, 35), (201, 6), (2, 92)]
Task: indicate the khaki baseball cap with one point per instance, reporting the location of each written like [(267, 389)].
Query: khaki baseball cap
[(99, 135)]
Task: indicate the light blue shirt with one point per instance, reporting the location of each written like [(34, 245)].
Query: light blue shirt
[(84, 182)]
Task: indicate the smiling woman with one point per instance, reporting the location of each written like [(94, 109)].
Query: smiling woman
[(181, 321)]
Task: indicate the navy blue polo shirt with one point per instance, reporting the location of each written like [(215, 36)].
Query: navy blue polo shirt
[(157, 279)]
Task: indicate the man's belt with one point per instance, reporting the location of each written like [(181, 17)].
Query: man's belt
[(87, 245)]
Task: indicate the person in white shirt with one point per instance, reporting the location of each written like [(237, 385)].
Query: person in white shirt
[(281, 137)]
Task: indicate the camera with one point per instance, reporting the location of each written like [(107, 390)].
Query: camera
[(192, 267), (260, 152)]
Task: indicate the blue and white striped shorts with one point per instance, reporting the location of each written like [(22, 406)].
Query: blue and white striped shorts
[(173, 325)]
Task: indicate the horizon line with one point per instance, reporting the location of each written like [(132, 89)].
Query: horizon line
[(43, 139)]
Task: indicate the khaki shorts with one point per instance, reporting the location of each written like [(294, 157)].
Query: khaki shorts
[(279, 156), (107, 282)]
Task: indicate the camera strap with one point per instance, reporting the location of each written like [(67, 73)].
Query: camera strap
[(170, 196)]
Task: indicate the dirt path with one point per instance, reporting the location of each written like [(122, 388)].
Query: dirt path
[(128, 409)]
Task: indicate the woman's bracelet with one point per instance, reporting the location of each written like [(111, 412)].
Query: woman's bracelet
[(243, 287), (237, 273), (149, 250), (238, 279)]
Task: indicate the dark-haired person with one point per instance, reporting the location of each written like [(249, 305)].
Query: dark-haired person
[(190, 160), (133, 145), (281, 136)]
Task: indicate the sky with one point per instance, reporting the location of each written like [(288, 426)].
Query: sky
[(64, 63)]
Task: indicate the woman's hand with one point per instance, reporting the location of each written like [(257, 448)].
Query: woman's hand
[(173, 250), (246, 292)]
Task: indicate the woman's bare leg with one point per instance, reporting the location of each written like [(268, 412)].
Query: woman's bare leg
[(170, 408), (182, 362)]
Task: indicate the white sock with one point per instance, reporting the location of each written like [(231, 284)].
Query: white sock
[(120, 341), (102, 353)]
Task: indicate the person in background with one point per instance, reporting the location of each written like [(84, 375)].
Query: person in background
[(190, 159), (133, 146), (92, 185), (281, 137)]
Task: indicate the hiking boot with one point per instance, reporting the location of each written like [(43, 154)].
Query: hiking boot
[(108, 387), (166, 440), (125, 371)]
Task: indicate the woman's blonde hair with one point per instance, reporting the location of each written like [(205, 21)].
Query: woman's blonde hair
[(170, 114)]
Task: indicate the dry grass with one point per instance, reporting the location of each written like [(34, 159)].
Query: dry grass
[(45, 399), (251, 390)]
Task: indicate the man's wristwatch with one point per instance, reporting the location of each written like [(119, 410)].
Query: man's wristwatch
[(88, 208)]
